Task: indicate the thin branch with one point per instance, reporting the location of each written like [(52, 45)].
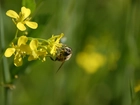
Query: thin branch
[(5, 66)]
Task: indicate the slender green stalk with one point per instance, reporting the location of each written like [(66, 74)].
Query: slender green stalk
[(4, 66), (16, 34)]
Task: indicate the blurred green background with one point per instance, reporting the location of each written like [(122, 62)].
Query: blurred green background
[(105, 66)]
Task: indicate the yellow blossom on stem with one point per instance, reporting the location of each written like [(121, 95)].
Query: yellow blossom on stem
[(19, 50), (22, 18), (55, 43), (36, 52)]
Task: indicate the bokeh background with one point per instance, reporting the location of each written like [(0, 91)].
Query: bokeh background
[(105, 66)]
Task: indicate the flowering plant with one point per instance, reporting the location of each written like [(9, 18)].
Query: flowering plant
[(25, 48), (33, 48)]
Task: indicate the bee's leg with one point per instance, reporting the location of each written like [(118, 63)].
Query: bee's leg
[(52, 59)]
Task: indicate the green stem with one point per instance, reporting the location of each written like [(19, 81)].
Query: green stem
[(30, 38), (16, 34), (5, 66)]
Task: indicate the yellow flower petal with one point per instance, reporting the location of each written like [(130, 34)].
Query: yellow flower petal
[(12, 14), (22, 40), (31, 57), (9, 52), (25, 49), (33, 44), (34, 54), (25, 12), (53, 50), (21, 26), (32, 25), (59, 37)]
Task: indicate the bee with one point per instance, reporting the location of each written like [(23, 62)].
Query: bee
[(64, 54)]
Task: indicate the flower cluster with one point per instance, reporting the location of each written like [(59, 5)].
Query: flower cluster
[(32, 48)]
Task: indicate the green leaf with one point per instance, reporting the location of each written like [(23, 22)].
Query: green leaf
[(29, 4)]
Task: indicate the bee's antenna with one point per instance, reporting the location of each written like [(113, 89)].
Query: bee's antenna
[(60, 66)]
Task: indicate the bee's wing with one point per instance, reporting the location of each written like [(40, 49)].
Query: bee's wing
[(60, 66)]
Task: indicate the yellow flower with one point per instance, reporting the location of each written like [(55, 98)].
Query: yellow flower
[(55, 43), (22, 19), (20, 50), (35, 52)]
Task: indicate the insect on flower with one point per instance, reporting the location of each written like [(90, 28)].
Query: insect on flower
[(64, 54)]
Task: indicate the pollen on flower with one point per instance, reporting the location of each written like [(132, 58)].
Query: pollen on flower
[(22, 18)]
